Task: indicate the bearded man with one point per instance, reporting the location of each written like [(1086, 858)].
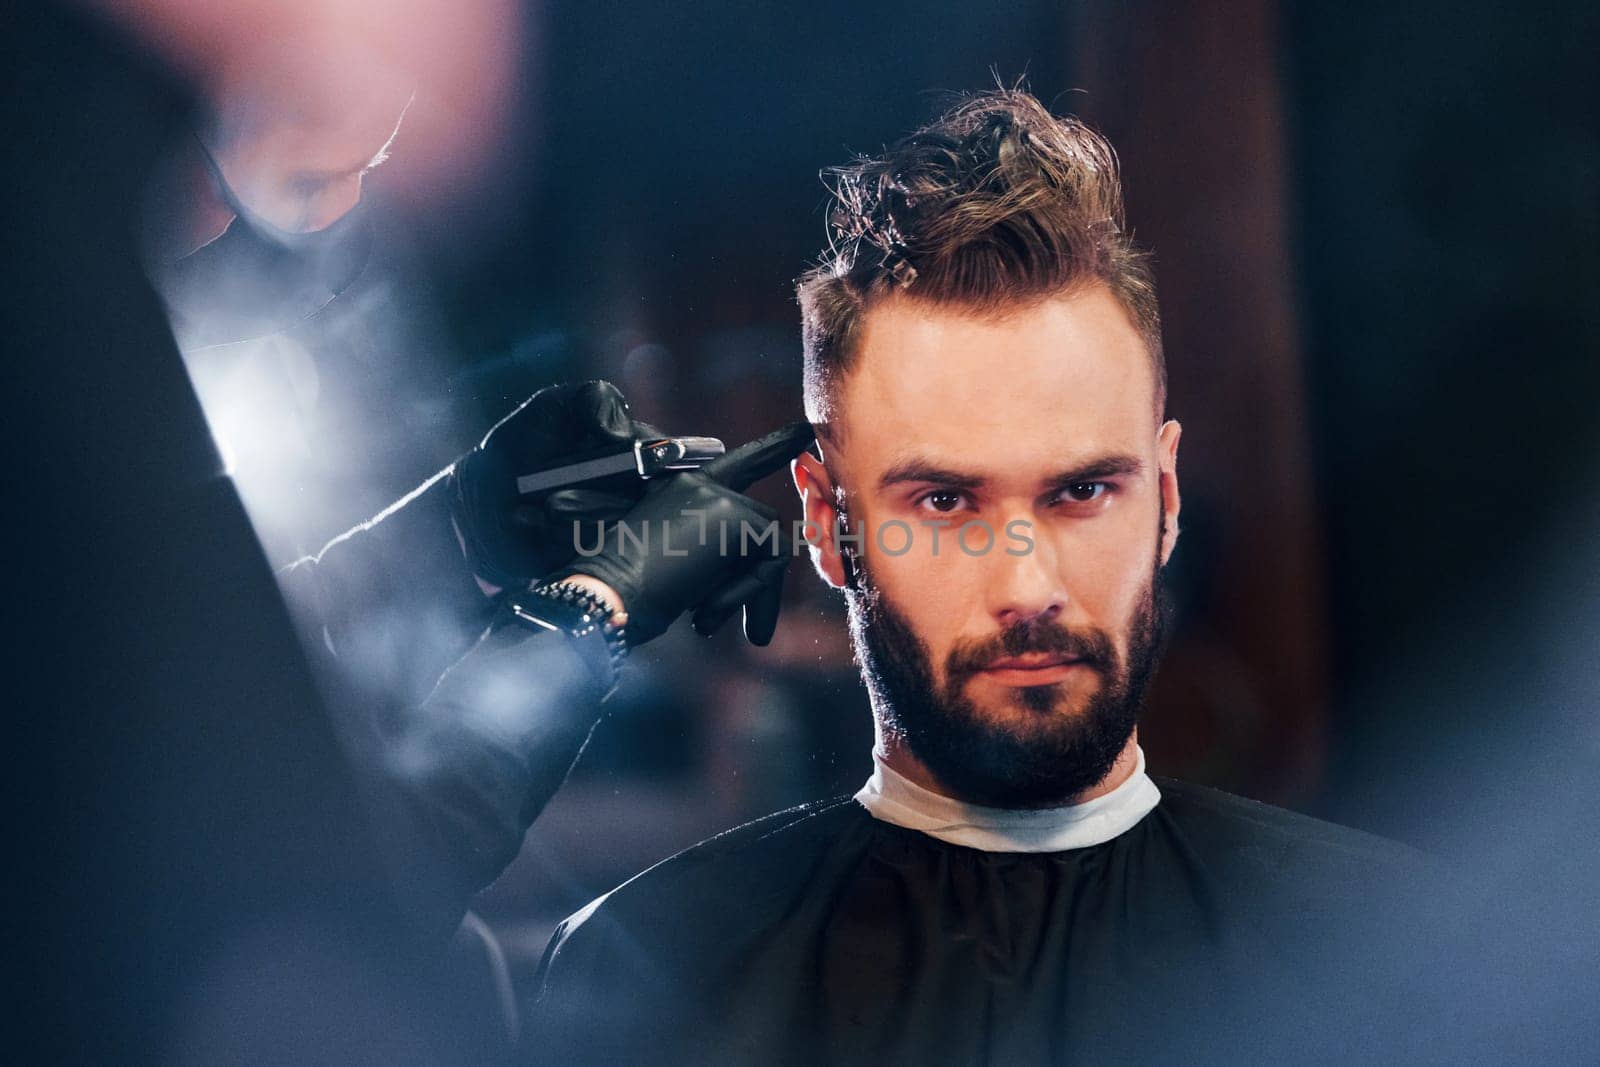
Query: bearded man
[(996, 495)]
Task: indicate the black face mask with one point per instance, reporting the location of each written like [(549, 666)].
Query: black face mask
[(258, 278), (307, 243)]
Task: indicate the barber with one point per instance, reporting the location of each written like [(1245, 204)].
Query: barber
[(466, 570)]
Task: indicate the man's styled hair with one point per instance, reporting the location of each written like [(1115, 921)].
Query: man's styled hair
[(996, 202)]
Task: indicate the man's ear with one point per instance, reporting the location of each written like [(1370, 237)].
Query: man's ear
[(1167, 457), (815, 486)]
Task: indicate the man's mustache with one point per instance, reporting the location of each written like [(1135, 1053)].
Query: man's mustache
[(1092, 647)]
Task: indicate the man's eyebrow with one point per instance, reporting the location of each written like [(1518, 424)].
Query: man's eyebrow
[(921, 470), (1094, 469)]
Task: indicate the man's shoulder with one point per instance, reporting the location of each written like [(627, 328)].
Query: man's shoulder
[(756, 866), (1251, 843), (646, 971)]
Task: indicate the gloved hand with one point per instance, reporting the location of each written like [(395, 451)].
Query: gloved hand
[(511, 539), (660, 566)]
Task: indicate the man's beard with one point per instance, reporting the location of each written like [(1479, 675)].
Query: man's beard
[(1053, 755)]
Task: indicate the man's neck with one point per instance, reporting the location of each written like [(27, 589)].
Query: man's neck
[(900, 759)]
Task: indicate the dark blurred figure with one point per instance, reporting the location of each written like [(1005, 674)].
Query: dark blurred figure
[(1449, 160), (198, 881), (314, 351)]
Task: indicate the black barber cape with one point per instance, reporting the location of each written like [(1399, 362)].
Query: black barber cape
[(1215, 930)]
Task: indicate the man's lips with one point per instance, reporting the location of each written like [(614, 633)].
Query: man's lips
[(1031, 661), (1034, 668)]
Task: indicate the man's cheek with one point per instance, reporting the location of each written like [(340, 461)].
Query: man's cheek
[(1108, 580), (909, 584), (926, 598)]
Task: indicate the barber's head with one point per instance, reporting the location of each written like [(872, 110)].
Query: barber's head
[(296, 161), (984, 368)]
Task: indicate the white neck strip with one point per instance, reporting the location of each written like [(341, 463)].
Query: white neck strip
[(893, 798)]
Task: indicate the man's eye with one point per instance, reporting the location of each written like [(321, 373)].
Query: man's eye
[(942, 500), (1084, 492)]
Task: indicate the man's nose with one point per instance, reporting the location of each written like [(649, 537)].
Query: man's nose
[(1027, 586)]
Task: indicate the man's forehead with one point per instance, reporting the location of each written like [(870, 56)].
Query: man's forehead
[(1058, 381)]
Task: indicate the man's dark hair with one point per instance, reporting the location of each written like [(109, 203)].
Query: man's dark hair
[(995, 203)]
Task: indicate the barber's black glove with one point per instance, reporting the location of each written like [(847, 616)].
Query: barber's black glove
[(511, 539), (669, 570)]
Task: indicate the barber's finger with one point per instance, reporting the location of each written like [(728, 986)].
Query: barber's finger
[(545, 516), (587, 504), (528, 517), (749, 587), (719, 607), (601, 404), (761, 610), (751, 462)]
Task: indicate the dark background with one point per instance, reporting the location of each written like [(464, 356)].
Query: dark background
[(1376, 240)]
